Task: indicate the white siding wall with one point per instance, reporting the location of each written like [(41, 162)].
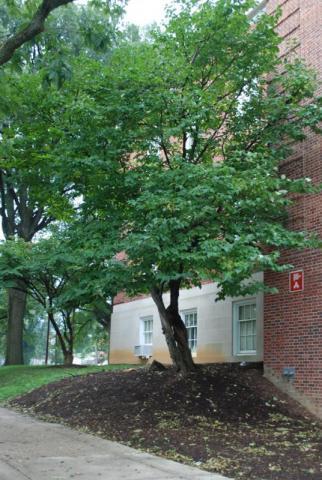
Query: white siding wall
[(215, 327)]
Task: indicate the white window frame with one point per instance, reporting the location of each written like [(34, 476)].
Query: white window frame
[(143, 332), (187, 312), (236, 327)]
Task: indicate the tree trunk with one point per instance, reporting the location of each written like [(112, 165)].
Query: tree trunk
[(68, 358), (174, 329), (108, 319), (17, 301), (19, 219), (103, 315), (47, 342), (69, 337), (184, 362)]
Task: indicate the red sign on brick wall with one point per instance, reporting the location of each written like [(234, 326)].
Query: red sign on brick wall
[(297, 281)]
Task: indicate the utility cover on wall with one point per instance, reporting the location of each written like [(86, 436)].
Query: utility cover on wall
[(289, 373), (296, 281)]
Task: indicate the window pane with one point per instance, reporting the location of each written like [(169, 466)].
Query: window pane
[(147, 331), (148, 338), (249, 328), (246, 327), (252, 327), (242, 344), (190, 321), (243, 328)]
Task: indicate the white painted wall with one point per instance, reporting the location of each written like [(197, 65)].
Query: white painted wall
[(215, 327)]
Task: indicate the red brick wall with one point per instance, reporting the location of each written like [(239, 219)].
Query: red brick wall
[(293, 321), (123, 298)]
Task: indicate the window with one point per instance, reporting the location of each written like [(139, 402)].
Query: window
[(190, 321), (147, 330), (245, 327)]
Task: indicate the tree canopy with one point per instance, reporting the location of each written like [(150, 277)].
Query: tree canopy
[(165, 149), (196, 122), (64, 279), (40, 90)]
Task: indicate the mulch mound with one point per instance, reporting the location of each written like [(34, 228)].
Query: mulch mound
[(222, 418)]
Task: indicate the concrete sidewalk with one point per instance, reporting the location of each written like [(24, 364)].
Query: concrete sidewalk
[(35, 450)]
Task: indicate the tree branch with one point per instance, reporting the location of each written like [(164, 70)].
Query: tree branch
[(35, 26), (3, 205), (156, 294), (212, 137)]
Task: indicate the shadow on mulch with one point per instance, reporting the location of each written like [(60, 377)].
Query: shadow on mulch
[(222, 419)]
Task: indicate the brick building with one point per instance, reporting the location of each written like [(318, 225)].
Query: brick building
[(293, 320)]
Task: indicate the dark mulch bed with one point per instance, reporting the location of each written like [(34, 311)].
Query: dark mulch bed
[(222, 418)]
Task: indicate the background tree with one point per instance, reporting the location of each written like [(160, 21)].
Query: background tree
[(34, 119), (22, 21), (56, 276), (31, 192), (92, 338), (35, 333), (205, 113), (3, 324)]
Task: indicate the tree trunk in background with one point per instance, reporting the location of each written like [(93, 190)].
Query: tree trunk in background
[(174, 329), (47, 342), (17, 301), (19, 220), (103, 315), (68, 358)]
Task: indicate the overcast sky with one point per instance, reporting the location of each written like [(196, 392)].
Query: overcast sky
[(143, 12)]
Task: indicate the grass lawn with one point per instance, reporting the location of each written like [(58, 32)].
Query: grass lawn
[(17, 380)]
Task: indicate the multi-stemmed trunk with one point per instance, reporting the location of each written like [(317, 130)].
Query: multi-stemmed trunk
[(174, 329), (17, 301)]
